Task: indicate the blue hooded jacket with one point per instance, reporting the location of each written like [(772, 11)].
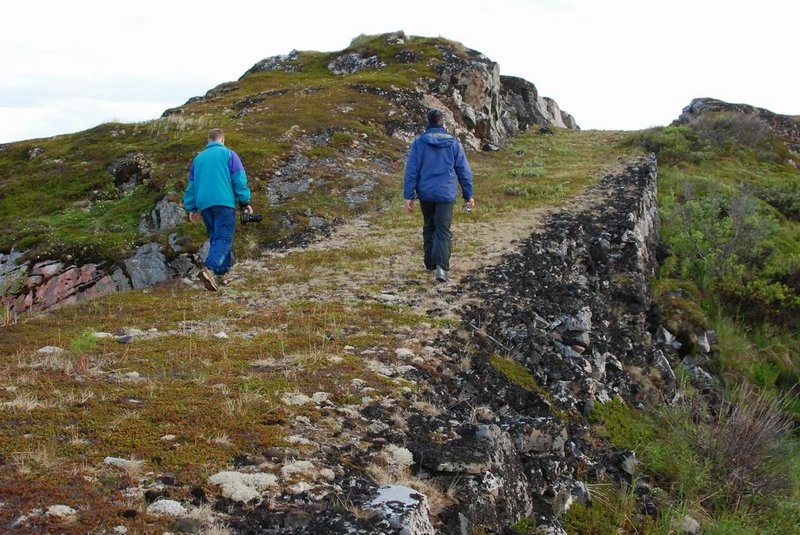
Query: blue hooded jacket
[(216, 178), (436, 159)]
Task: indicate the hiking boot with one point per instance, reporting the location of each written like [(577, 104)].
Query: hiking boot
[(224, 279), (208, 279), (441, 274)]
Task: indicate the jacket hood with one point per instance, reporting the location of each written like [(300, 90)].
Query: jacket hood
[(438, 137)]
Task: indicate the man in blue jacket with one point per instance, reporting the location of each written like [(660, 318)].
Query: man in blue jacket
[(435, 161), (217, 181)]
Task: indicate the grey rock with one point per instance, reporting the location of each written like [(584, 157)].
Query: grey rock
[(182, 265), (316, 222), (703, 345), (581, 322), (147, 267), (165, 215), (177, 242), (121, 280), (202, 252), (12, 275), (699, 376), (353, 62), (712, 337), (661, 363), (285, 62), (34, 152), (404, 508), (686, 526), (630, 463), (663, 336)]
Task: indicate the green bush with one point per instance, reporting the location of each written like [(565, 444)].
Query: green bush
[(729, 130), (83, 342), (672, 144)]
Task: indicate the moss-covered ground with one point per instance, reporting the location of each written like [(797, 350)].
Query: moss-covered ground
[(184, 402)]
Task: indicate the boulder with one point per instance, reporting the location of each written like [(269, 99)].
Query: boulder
[(166, 215), (147, 267), (404, 508)]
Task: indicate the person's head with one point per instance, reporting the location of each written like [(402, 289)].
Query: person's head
[(435, 118), (215, 134)]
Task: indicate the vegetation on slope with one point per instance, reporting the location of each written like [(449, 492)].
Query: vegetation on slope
[(728, 191), (58, 198), (216, 398)]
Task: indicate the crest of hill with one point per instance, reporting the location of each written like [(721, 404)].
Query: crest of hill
[(322, 135), (784, 126)]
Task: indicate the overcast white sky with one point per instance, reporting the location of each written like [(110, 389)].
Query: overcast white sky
[(613, 64)]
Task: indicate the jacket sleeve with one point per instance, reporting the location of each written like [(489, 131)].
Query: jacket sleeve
[(188, 196), (463, 172), (412, 174), (238, 179)]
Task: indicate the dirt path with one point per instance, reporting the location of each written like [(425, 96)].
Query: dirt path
[(393, 272)]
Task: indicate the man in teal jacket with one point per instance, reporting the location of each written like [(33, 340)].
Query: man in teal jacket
[(217, 182)]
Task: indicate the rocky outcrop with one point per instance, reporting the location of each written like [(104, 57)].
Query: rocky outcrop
[(481, 107), (530, 108), (130, 171), (51, 283), (353, 62), (166, 215), (783, 125), (285, 62)]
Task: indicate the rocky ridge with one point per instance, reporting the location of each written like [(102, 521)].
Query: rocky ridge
[(782, 125)]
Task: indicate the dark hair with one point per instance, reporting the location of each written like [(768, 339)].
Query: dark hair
[(215, 134), (435, 118)]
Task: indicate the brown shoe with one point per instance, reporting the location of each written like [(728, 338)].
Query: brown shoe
[(208, 279)]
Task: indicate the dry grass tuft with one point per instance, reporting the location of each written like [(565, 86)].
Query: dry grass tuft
[(220, 439), (345, 503), (242, 403), (24, 403), (427, 407), (27, 462), (749, 441)]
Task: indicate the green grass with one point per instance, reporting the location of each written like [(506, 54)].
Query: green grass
[(516, 373)]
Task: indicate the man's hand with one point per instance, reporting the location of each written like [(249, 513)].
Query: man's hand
[(410, 205), (194, 217), (470, 203), (247, 209)]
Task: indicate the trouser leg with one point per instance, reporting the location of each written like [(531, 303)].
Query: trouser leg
[(436, 235), (220, 224), (428, 229)]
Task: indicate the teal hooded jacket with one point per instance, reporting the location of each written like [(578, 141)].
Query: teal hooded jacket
[(216, 178)]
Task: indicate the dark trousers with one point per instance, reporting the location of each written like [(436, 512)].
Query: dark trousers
[(436, 235), (220, 224)]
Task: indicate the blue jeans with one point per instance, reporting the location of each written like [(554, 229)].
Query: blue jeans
[(220, 224)]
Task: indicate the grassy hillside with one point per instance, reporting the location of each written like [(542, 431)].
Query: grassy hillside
[(58, 198), (180, 401)]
